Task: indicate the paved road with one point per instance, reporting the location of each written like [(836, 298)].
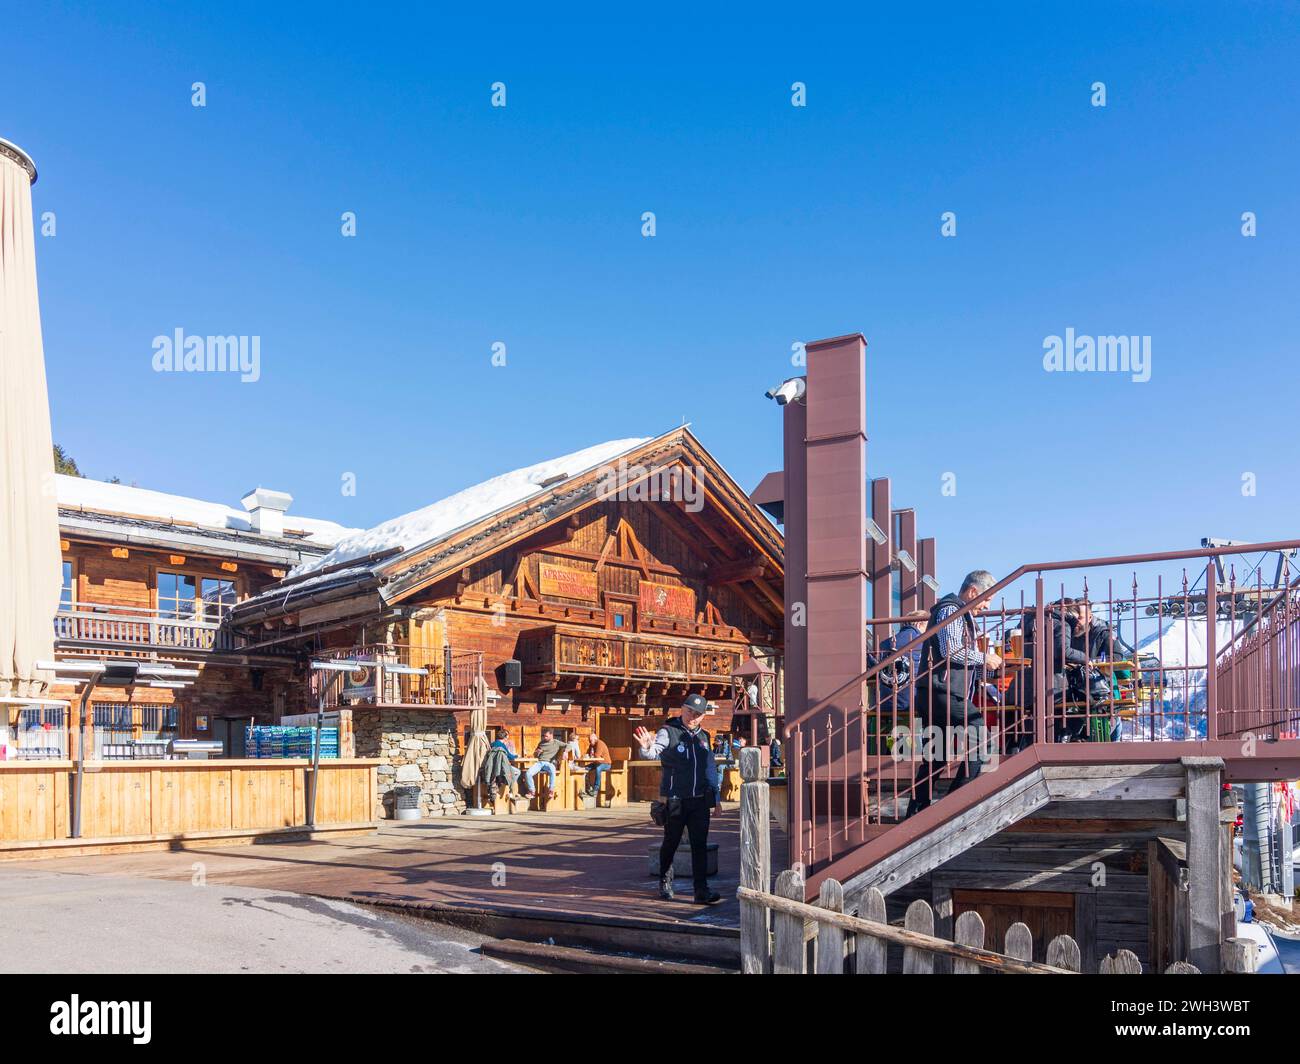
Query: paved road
[(59, 922)]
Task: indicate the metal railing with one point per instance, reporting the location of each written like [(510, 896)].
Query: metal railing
[(1150, 668), (88, 622), (400, 674)]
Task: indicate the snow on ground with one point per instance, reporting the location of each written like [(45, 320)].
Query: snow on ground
[(84, 493), (469, 506), (1180, 644)]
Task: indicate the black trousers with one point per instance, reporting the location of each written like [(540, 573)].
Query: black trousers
[(693, 818)]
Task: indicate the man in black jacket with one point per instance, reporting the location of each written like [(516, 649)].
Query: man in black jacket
[(689, 788), (950, 662)]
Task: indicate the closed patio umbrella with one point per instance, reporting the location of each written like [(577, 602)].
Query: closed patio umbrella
[(30, 560), (475, 749)]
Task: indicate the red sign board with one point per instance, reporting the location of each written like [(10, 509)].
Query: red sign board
[(666, 600)]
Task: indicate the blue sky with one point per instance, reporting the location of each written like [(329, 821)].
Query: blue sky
[(774, 224)]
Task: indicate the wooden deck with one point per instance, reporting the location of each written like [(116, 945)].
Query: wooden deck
[(578, 877)]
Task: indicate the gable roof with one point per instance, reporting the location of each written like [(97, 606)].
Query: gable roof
[(399, 557), (426, 526)]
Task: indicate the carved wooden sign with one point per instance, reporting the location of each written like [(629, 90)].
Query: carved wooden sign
[(667, 600), (565, 582)]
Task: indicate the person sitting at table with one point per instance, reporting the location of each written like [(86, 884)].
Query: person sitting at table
[(597, 750), (548, 753), (1096, 639), (502, 742)]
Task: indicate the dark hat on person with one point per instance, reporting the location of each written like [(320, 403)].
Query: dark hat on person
[(697, 704)]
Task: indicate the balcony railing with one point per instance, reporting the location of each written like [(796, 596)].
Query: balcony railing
[(1157, 649), (134, 626), (398, 674), (554, 654)]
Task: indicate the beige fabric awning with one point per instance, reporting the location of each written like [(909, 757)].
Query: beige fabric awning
[(30, 559)]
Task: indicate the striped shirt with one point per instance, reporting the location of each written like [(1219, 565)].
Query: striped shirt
[(957, 643)]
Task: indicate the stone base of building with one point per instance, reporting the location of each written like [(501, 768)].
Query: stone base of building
[(415, 748)]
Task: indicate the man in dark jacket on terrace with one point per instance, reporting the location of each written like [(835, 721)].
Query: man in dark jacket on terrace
[(950, 662), (690, 790)]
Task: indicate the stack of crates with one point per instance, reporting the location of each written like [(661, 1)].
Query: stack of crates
[(278, 740)]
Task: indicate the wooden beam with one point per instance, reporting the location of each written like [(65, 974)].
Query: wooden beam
[(747, 568)]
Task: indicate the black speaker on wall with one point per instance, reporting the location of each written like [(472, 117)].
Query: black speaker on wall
[(512, 674)]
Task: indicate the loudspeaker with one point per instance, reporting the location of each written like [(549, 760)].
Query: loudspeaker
[(512, 674)]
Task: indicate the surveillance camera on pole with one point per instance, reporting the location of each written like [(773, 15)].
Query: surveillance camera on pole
[(791, 391)]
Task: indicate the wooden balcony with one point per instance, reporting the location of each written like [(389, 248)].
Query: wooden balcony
[(91, 625), (395, 674), (557, 657)]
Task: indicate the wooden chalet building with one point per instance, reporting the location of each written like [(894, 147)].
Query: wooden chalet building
[(587, 593), (152, 577)]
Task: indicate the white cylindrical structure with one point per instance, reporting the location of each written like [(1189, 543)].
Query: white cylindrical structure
[(30, 559)]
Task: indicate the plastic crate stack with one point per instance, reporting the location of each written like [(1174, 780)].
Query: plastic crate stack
[(278, 740)]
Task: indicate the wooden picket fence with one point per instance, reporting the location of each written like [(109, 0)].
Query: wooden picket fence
[(782, 934), (824, 939)]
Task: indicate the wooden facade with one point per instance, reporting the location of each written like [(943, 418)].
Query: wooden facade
[(614, 608)]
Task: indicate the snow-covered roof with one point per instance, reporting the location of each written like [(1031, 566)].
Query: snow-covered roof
[(81, 493), (469, 506)]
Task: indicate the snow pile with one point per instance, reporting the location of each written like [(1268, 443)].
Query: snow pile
[(468, 507), (82, 493)]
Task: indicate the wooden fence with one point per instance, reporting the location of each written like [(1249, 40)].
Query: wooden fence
[(164, 800), (781, 934)]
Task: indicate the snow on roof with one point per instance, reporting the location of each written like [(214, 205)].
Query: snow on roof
[(469, 506), (83, 493)]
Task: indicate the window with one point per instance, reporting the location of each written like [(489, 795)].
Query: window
[(68, 594), (218, 597), (175, 594)]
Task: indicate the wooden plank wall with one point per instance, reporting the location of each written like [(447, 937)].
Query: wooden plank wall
[(167, 798), (33, 800), (1104, 871)]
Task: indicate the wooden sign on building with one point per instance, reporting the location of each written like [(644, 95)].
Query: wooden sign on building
[(667, 600), (563, 581)]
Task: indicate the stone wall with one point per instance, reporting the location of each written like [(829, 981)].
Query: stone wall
[(414, 747)]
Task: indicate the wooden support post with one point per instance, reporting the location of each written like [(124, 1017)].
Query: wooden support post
[(830, 939), (1240, 956), (1204, 840), (787, 929), (755, 863)]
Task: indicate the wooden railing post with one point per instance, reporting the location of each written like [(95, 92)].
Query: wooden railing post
[(788, 949), (1204, 838), (755, 863)]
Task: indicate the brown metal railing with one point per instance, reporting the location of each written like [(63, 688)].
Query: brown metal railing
[(400, 674), (873, 750)]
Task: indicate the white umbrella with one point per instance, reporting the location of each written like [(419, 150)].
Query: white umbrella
[(30, 560)]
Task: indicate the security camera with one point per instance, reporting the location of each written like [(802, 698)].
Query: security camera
[(790, 391)]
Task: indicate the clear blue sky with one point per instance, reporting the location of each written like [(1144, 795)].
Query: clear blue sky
[(775, 224)]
